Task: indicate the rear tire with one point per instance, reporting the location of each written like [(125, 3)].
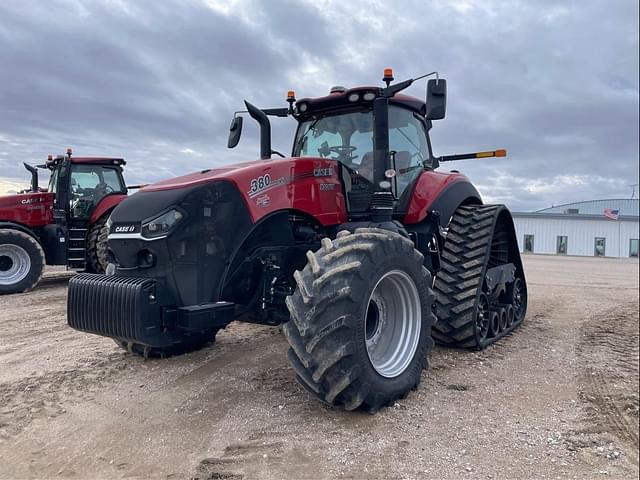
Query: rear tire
[(189, 344), (22, 261), (361, 317), (97, 246)]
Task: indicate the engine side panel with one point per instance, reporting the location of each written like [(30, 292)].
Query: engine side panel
[(309, 185), (439, 191), (30, 209)]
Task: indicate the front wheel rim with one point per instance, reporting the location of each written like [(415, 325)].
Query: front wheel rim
[(393, 323), (15, 264)]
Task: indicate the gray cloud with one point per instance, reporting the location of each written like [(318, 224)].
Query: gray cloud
[(157, 82)]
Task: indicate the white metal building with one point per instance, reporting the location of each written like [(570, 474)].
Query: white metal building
[(581, 228)]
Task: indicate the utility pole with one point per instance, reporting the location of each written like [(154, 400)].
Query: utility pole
[(633, 192)]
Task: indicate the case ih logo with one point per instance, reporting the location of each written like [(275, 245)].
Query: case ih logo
[(322, 172), (27, 201), (125, 229)]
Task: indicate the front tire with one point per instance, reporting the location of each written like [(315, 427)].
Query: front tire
[(22, 261), (361, 318)]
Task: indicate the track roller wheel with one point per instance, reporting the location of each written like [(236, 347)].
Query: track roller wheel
[(361, 317), (503, 319), (494, 324), (510, 315)]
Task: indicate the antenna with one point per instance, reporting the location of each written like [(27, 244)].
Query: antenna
[(633, 192)]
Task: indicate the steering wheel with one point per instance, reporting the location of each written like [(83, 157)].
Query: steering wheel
[(345, 152), (105, 188)]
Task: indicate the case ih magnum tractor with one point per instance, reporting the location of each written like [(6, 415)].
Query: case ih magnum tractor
[(355, 243), (62, 225)]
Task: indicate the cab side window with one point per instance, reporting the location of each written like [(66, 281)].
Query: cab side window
[(407, 137)]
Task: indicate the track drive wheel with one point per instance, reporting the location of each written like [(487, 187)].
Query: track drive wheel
[(189, 344), (21, 261), (97, 245), (361, 318)]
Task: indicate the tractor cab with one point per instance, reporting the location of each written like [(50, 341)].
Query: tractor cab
[(84, 188), (346, 134), (378, 136), (81, 183)]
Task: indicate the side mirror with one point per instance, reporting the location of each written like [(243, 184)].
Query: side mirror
[(235, 130), (436, 99)]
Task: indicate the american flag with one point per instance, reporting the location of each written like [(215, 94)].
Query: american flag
[(612, 214)]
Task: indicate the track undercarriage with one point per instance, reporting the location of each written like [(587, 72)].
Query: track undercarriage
[(480, 290)]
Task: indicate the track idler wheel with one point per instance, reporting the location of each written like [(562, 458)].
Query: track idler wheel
[(518, 296)]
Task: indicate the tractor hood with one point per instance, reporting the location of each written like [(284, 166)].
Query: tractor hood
[(308, 184), (232, 172), (32, 208)]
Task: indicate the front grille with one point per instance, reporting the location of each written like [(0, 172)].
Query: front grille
[(123, 307)]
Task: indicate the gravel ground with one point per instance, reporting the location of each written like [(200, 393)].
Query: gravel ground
[(556, 399)]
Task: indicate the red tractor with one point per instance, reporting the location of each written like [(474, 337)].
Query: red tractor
[(355, 243), (64, 224)]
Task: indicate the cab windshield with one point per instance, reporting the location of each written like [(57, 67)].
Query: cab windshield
[(348, 139)]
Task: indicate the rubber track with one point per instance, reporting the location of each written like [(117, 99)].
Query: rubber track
[(459, 282)]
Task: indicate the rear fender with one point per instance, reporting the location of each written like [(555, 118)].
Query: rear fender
[(19, 227), (442, 192), (105, 205)]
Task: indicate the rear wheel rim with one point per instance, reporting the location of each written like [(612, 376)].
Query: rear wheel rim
[(392, 323), (15, 264)]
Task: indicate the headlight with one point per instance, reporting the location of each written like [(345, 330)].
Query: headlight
[(161, 225), (354, 97), (369, 96), (302, 107)]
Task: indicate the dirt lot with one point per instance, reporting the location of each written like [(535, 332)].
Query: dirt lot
[(557, 399)]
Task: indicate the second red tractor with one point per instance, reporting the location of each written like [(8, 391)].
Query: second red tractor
[(64, 224)]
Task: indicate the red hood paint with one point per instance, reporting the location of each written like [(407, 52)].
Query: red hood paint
[(227, 172), (307, 184), (33, 209)]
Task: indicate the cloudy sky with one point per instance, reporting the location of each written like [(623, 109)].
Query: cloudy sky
[(556, 83)]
